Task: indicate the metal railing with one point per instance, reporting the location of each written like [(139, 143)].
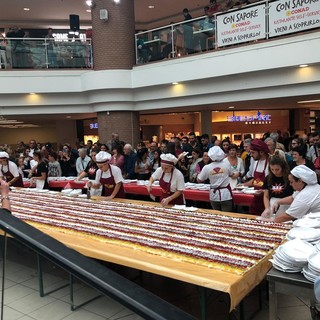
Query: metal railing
[(40, 53), (258, 21)]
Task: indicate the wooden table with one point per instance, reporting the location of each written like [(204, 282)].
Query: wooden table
[(237, 286)]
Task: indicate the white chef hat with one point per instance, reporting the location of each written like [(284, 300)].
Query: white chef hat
[(4, 155), (216, 153), (103, 157), (168, 158), (305, 174)]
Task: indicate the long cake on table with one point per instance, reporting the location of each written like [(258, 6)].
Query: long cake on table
[(217, 241)]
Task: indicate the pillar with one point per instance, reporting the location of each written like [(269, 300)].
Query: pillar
[(126, 123), (113, 40), (206, 122), (302, 120)]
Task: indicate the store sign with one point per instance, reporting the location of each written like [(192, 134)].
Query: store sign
[(241, 26), (292, 16), (259, 118), (94, 125), (64, 37)]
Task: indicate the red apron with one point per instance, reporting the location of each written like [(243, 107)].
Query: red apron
[(219, 188), (257, 206), (165, 188), (9, 176), (108, 185)]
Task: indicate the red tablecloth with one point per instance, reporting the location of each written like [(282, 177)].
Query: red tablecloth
[(241, 199)]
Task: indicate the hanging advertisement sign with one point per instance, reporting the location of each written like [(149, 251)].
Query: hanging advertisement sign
[(241, 26), (293, 16)]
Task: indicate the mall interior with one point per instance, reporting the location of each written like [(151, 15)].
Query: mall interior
[(253, 86)]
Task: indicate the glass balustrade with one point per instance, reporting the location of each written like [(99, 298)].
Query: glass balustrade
[(243, 24), (36, 53)]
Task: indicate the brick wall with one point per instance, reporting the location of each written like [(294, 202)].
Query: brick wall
[(126, 123), (113, 40)]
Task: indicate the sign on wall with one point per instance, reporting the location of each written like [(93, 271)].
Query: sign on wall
[(293, 16), (258, 118), (241, 26)]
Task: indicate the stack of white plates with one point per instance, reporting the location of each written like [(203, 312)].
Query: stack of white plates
[(304, 233), (317, 245), (292, 256), (307, 223), (312, 270)]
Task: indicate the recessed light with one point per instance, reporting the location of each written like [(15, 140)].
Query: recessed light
[(32, 93), (68, 117), (303, 65), (88, 10), (151, 7), (26, 9), (175, 83), (231, 107)]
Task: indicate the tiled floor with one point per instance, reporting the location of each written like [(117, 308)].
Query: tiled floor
[(22, 300)]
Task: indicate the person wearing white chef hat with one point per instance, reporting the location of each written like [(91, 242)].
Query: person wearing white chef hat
[(306, 197), (218, 172), (9, 171), (171, 181), (108, 176)]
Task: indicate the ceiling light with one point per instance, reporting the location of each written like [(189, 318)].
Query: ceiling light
[(303, 65), (26, 9), (90, 3), (309, 101), (231, 107), (88, 10), (32, 93), (151, 7), (175, 83), (116, 1)]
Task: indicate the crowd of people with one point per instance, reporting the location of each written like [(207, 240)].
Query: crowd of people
[(277, 164)]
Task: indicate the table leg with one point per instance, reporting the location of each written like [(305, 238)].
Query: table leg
[(272, 300), (203, 302)]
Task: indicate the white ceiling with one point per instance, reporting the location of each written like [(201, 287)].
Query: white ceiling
[(55, 13)]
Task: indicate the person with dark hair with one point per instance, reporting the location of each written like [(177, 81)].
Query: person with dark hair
[(205, 141), (67, 161), (90, 171), (188, 32), (54, 168), (276, 185), (299, 158), (164, 145), (156, 163), (117, 158), (225, 143), (143, 165), (186, 146), (50, 45), (205, 160), (39, 172), (306, 198), (193, 139), (196, 158), (236, 164)]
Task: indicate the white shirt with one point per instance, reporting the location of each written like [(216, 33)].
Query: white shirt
[(81, 164), (218, 174), (116, 172), (305, 201), (12, 167), (177, 181), (259, 168)]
